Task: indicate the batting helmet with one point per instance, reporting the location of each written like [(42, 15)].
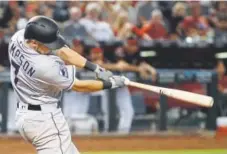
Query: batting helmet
[(44, 30)]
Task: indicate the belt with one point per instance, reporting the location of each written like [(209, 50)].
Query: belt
[(47, 107), (31, 107)]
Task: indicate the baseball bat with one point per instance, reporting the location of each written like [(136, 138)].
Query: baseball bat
[(198, 99)]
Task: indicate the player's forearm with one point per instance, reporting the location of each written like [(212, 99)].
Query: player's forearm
[(222, 24), (71, 57), (91, 85), (132, 68), (109, 66), (113, 67)]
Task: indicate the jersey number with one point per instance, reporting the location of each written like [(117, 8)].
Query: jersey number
[(16, 71)]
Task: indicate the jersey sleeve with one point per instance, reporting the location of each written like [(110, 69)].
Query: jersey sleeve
[(59, 75)]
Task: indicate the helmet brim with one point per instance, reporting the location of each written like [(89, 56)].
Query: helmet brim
[(57, 44)]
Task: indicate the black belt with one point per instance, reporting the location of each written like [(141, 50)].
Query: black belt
[(32, 107)]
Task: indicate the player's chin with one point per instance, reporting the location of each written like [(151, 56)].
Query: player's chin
[(49, 53), (46, 52)]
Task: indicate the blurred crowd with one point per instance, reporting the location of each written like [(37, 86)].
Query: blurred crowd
[(108, 20)]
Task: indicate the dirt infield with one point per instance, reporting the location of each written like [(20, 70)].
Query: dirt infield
[(15, 145)]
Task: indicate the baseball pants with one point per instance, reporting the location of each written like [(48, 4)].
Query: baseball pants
[(48, 131), (125, 109)]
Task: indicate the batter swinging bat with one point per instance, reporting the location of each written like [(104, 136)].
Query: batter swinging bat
[(189, 97)]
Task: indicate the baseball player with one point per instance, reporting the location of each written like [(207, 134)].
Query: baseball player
[(39, 74)]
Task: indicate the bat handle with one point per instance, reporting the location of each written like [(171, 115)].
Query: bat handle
[(126, 81), (132, 83)]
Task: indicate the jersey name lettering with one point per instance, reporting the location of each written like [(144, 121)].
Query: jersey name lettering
[(24, 64)]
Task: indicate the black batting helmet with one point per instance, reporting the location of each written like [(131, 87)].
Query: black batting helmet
[(44, 30)]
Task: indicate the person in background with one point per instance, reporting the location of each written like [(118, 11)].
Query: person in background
[(124, 29), (196, 24), (108, 13), (12, 102), (1, 68), (123, 97), (9, 11), (31, 9), (99, 30), (144, 8), (178, 14), (8, 18), (156, 28), (60, 13), (73, 28), (221, 86), (127, 58), (47, 11), (218, 17), (128, 7), (74, 3), (6, 14), (78, 46), (4, 56)]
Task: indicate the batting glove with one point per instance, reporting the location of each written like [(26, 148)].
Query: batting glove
[(118, 81), (103, 74)]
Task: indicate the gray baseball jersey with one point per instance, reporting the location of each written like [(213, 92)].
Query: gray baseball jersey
[(37, 79)]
